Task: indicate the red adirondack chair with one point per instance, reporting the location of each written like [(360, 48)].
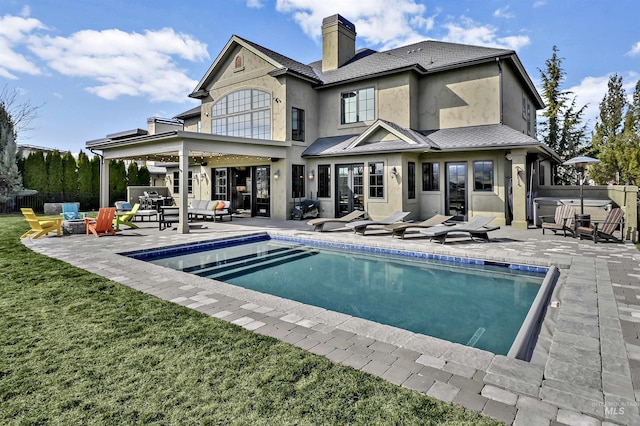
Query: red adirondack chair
[(103, 223)]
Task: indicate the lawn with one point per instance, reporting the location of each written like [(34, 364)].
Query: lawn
[(76, 348)]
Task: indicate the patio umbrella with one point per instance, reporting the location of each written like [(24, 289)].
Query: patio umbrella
[(581, 163)]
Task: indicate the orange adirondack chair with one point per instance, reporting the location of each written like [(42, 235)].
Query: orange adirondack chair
[(103, 223)]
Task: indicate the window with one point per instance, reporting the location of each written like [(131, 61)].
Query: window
[(176, 182), (411, 180), (483, 175), (430, 176), (297, 180), (376, 180), (358, 105), (297, 124), (541, 171), (324, 181), (245, 113), (220, 184), (189, 182)]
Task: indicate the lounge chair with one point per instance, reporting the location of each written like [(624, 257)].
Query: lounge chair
[(477, 227), (360, 226), (40, 226), (399, 229), (103, 223), (318, 224), (562, 220), (614, 218)]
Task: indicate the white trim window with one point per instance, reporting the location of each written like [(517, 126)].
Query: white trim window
[(244, 113)]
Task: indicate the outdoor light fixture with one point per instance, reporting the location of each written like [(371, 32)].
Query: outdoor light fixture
[(276, 175), (167, 178), (311, 175), (394, 171)]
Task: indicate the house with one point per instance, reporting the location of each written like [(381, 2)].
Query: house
[(429, 128)]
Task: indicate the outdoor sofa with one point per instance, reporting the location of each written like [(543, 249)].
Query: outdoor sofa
[(213, 209)]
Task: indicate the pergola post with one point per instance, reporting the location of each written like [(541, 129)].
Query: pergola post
[(183, 170), (104, 182)]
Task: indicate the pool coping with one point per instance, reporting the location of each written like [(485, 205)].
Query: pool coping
[(501, 387)]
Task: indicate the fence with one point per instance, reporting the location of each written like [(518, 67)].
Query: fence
[(87, 201)]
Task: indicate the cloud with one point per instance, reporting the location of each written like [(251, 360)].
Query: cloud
[(466, 31), (14, 31), (124, 63), (539, 3), (254, 4), (404, 23), (635, 50), (503, 12)]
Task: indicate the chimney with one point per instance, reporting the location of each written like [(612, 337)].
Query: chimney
[(338, 42)]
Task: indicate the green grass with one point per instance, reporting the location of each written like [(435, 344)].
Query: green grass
[(76, 348)]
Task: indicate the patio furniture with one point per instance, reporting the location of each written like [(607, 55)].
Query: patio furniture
[(214, 209), (103, 223), (399, 229), (603, 230), (40, 226), (477, 227), (168, 216), (360, 226), (70, 212), (562, 220), (125, 218), (318, 224)]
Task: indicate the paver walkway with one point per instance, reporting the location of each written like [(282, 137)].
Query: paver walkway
[(588, 374)]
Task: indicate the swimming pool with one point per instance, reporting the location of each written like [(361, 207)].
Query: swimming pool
[(467, 301)]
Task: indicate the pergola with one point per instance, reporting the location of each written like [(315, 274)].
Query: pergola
[(179, 147)]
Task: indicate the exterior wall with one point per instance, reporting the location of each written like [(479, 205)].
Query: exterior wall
[(301, 95), (393, 100), (252, 75), (191, 124), (460, 98), (513, 93)]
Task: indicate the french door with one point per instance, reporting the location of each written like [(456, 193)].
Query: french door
[(456, 192), (349, 188)]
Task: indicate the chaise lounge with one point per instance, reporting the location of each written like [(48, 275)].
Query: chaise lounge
[(399, 229), (477, 227), (360, 226), (318, 224)]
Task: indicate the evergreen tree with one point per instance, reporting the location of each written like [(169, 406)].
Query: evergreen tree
[(562, 128), (132, 174), (117, 181), (95, 174), (54, 172), (35, 172), (631, 137), (10, 179), (84, 174), (69, 177), (144, 176), (607, 143)]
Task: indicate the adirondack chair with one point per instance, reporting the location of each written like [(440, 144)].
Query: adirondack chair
[(125, 218), (103, 223), (70, 212), (603, 230), (562, 220), (40, 225)]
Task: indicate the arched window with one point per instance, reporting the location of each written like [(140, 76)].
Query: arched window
[(245, 113)]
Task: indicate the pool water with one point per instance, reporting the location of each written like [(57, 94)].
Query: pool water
[(475, 305)]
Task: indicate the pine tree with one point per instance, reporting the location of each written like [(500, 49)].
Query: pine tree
[(69, 177), (132, 173), (562, 128), (10, 179), (95, 174), (117, 181), (84, 174), (54, 172), (607, 143), (35, 172), (144, 176)]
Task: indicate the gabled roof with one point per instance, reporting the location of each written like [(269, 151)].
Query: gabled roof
[(495, 136), (424, 57)]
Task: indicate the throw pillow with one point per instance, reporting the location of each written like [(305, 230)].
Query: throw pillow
[(220, 206), (214, 205)]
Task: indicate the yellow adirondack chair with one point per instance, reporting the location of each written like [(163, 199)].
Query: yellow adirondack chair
[(40, 225), (125, 218), (103, 223)]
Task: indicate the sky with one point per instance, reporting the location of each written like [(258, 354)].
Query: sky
[(96, 67)]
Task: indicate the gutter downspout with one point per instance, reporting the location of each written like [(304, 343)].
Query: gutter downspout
[(104, 180), (501, 91)]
